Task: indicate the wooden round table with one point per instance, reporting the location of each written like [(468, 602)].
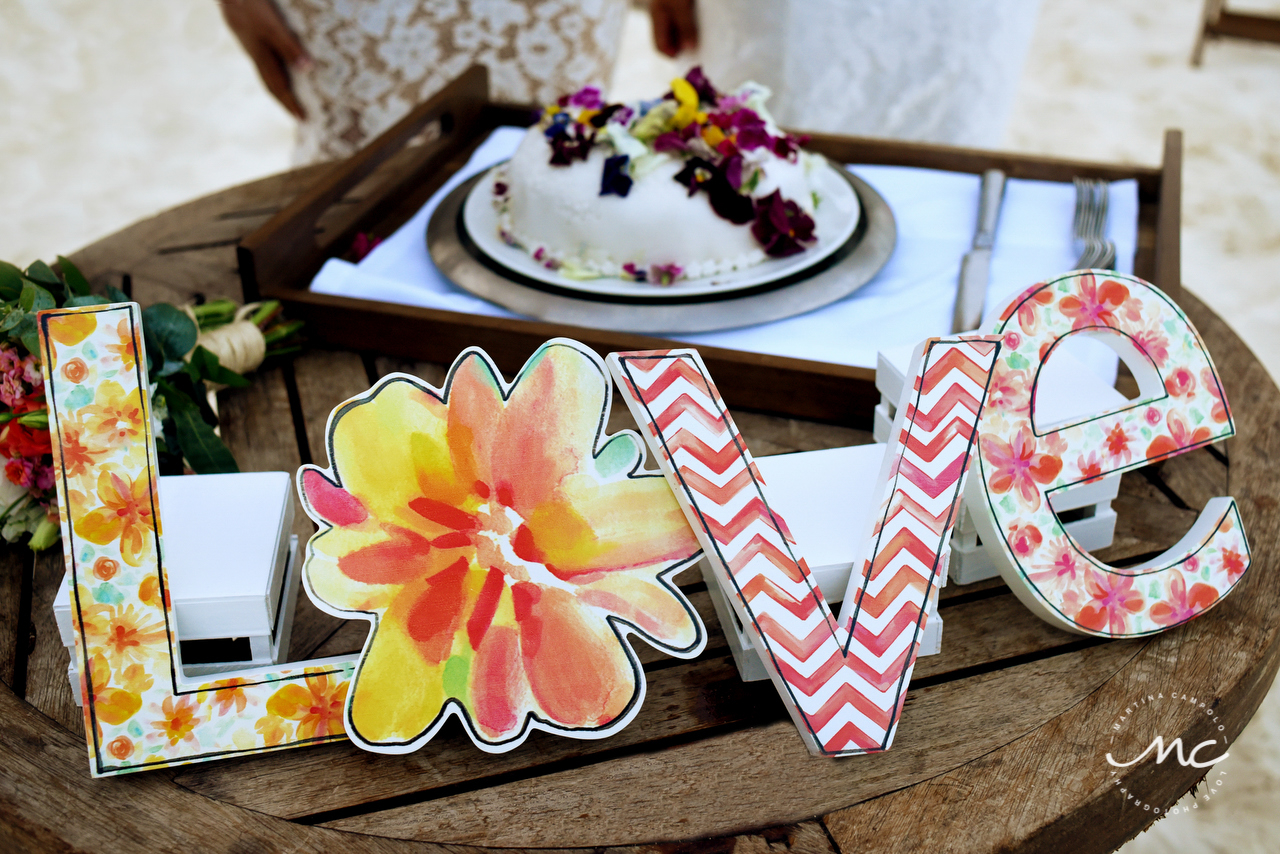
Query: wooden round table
[(1001, 747)]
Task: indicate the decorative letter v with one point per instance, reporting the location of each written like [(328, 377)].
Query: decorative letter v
[(844, 682)]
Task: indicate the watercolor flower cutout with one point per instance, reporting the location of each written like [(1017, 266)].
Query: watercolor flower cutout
[(503, 547)]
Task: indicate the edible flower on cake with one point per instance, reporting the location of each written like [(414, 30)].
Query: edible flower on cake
[(693, 184)]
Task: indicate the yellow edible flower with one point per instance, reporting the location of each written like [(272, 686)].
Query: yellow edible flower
[(687, 98)]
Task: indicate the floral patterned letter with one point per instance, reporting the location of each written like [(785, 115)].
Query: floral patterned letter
[(1181, 407), (140, 711)]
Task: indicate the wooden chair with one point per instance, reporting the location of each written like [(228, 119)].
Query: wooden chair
[(1216, 21)]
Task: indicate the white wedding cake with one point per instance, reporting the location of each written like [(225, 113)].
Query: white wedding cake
[(695, 183)]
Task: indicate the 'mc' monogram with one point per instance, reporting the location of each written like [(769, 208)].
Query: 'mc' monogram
[(1162, 752)]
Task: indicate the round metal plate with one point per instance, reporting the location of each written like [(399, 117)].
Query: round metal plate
[(840, 274)]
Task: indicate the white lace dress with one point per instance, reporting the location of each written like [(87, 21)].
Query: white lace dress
[(929, 70), (376, 59)]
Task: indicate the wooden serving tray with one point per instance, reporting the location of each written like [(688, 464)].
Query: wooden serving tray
[(381, 187)]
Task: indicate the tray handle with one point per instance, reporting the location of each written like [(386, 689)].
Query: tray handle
[(286, 252)]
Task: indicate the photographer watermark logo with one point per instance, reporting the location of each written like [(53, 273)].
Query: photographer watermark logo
[(1204, 748)]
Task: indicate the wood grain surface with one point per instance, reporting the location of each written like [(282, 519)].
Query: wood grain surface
[(1000, 747)]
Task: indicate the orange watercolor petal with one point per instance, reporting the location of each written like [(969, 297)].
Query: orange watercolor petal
[(497, 680), (579, 673)]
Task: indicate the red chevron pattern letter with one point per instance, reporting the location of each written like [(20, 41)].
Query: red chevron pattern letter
[(844, 681)]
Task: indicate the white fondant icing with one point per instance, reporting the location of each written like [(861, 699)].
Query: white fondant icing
[(558, 215)]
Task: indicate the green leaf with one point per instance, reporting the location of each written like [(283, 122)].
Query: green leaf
[(202, 448), (77, 284), (169, 334), (10, 282), (42, 273), (207, 367), (85, 299), (116, 295), (46, 534), (27, 333), (35, 298), (12, 319), (1017, 362)]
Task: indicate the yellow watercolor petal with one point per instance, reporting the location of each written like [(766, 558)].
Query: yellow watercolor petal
[(624, 524), (396, 695), (373, 440), (71, 329)]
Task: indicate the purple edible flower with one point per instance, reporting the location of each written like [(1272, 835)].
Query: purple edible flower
[(639, 274), (669, 141), (363, 245), (752, 138), (602, 118), (588, 97), (615, 180), (571, 145), (665, 274), (701, 85), (728, 203), (733, 171), (695, 173), (781, 226)]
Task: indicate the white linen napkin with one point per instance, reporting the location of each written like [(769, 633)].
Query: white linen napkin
[(910, 299)]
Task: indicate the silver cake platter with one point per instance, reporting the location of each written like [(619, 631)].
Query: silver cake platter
[(841, 273)]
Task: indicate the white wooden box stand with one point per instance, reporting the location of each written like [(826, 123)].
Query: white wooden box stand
[(1068, 389), (822, 495), (230, 563)]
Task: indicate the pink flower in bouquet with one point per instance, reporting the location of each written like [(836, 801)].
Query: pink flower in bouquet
[(29, 473), (19, 377)]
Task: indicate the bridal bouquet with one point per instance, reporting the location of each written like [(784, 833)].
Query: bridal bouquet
[(188, 352)]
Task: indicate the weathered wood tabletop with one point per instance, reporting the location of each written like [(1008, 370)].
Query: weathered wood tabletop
[(1002, 740)]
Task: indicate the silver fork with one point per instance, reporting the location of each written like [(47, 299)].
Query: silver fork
[(1090, 225)]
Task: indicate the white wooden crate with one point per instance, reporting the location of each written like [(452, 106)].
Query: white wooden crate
[(1068, 389), (229, 560)]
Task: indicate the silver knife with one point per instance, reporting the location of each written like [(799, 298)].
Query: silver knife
[(975, 268)]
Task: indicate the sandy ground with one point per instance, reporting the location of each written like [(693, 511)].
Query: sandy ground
[(109, 117)]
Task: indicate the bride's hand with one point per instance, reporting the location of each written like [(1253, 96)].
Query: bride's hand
[(271, 45), (675, 25)]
